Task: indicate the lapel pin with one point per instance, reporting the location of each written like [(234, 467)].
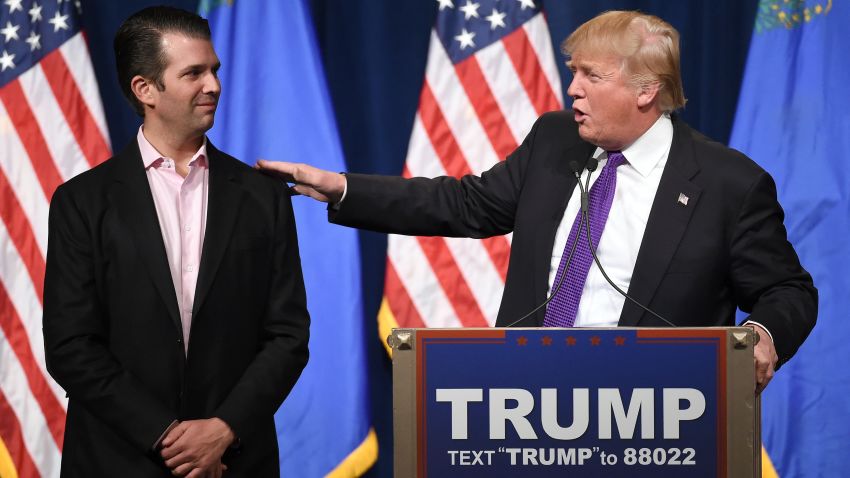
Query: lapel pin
[(683, 200)]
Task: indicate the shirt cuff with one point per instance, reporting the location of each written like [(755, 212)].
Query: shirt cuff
[(335, 206), (753, 322), (158, 442)]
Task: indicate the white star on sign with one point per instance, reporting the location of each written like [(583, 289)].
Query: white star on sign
[(446, 4), (496, 19), (59, 22), (470, 10), (6, 61), (35, 13), (14, 5), (34, 41), (526, 3), (465, 39), (10, 32)]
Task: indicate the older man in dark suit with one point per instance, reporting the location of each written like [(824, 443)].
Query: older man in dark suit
[(174, 313), (692, 229)]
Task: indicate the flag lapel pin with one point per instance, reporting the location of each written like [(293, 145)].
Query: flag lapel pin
[(683, 200)]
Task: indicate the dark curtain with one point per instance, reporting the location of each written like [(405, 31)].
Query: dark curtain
[(374, 54)]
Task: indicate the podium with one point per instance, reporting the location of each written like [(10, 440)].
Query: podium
[(545, 402)]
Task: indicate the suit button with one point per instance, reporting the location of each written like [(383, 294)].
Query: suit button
[(180, 341)]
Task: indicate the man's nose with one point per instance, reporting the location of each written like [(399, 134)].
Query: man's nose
[(212, 85), (574, 90)]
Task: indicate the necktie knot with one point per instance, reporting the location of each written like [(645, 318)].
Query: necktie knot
[(615, 159)]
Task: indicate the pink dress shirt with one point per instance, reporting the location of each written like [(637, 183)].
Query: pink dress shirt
[(181, 206)]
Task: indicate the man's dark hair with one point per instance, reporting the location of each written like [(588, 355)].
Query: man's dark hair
[(138, 45)]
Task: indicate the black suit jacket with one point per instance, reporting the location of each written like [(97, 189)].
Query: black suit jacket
[(726, 248), (112, 331)]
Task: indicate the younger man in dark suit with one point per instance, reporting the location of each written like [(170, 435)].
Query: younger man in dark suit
[(175, 313)]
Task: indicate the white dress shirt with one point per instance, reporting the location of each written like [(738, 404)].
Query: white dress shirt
[(637, 183)]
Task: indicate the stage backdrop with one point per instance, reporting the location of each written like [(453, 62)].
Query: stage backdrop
[(374, 56)]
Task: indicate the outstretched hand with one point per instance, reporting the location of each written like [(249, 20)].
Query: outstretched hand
[(317, 183)]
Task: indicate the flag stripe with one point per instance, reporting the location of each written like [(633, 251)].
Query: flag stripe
[(25, 302), (21, 175), (399, 300), (440, 135), (486, 108), (22, 235), (527, 65), (458, 112), (10, 432), (507, 88), (77, 59), (541, 43), (421, 282), (31, 136), (36, 435), (13, 329), (452, 281), (496, 248), (484, 279), (60, 140), (74, 108), (454, 163)]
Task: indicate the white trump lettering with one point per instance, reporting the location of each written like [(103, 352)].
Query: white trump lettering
[(549, 414), (641, 405), (460, 398), (673, 414), (500, 413)]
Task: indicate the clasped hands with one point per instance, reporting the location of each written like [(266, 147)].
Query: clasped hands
[(194, 448)]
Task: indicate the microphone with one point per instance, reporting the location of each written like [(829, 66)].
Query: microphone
[(574, 166), (586, 220)]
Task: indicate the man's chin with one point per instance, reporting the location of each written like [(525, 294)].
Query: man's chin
[(585, 133)]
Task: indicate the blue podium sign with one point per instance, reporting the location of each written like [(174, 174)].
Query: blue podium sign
[(572, 402)]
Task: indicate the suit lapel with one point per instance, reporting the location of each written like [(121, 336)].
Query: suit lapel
[(134, 201), (225, 197), (558, 188), (666, 225)]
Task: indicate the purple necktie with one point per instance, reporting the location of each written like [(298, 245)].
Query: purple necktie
[(562, 310)]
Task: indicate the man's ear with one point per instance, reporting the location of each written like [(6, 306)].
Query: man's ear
[(143, 89), (648, 94)]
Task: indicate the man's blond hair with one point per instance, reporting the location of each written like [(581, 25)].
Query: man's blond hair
[(647, 46)]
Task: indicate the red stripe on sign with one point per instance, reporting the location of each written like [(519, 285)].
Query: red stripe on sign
[(75, 109), (22, 235), (452, 281), (13, 329), (440, 134), (399, 301), (530, 72), (13, 438), (12, 96), (484, 103)]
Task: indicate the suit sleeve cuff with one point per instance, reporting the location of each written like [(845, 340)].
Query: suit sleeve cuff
[(158, 442)]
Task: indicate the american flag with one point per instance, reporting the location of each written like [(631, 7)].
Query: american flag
[(490, 73), (52, 128)]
